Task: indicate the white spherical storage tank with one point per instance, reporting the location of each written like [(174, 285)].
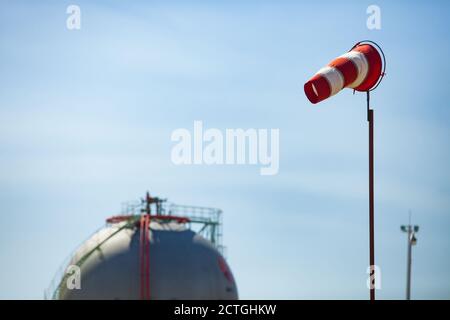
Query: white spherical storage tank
[(146, 256)]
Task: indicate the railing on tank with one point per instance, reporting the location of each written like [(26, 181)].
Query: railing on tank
[(205, 221)]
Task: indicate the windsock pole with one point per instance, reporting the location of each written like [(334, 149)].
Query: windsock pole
[(361, 69), (371, 201)]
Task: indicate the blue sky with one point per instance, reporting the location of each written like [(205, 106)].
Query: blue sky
[(86, 118)]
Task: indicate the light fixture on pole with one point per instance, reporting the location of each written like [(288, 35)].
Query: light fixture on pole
[(412, 241), (361, 69)]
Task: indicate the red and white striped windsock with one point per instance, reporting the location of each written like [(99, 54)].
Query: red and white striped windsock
[(358, 69)]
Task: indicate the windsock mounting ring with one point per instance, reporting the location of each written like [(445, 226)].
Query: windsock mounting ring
[(383, 57)]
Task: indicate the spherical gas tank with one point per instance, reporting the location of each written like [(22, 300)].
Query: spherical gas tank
[(182, 265)]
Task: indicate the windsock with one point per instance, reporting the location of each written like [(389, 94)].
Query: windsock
[(359, 69)]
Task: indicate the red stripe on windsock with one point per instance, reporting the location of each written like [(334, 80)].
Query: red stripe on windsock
[(347, 69), (374, 61), (317, 89)]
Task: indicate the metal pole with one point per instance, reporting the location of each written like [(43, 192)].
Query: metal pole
[(371, 200), (408, 272)]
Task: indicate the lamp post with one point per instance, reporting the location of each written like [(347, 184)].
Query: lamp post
[(412, 240)]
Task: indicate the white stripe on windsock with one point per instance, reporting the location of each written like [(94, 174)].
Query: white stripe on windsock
[(361, 64), (334, 78)]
